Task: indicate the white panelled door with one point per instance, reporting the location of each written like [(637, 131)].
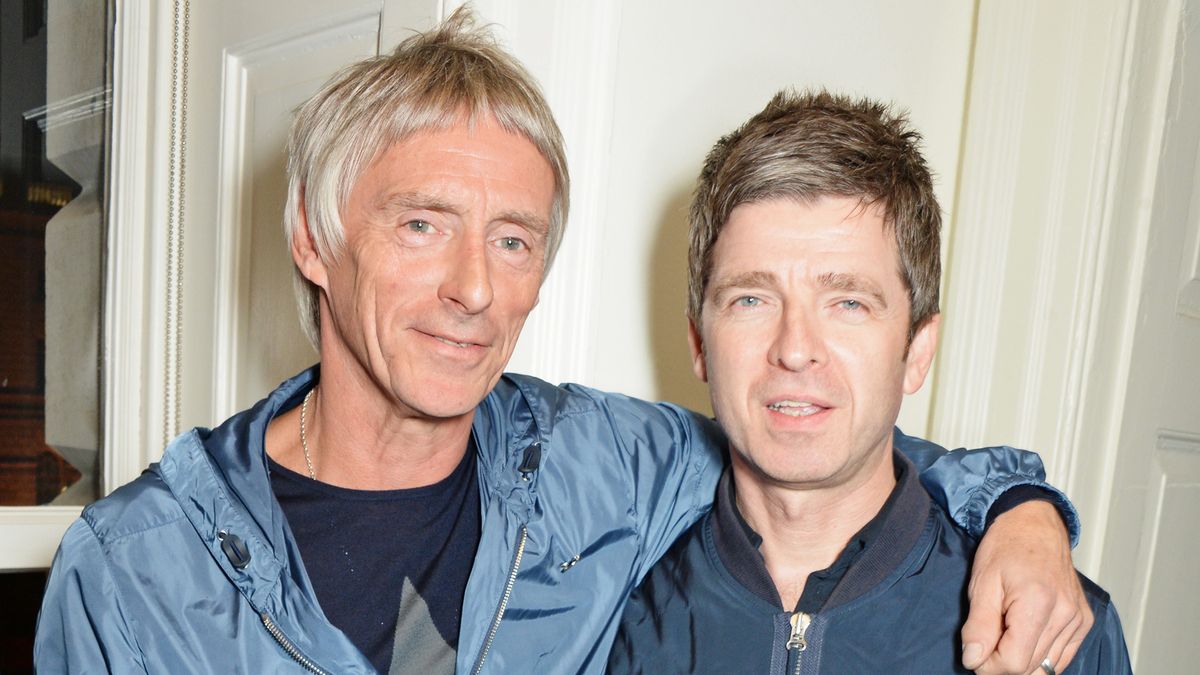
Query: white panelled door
[(1151, 558)]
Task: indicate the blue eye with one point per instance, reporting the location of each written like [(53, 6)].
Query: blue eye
[(511, 244), (852, 305), (419, 226), (747, 301)]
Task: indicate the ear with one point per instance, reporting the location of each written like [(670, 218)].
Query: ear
[(697, 346), (304, 251), (920, 354)]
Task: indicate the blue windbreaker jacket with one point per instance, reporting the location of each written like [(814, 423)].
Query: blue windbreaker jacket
[(192, 567)]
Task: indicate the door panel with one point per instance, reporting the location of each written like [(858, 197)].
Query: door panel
[(258, 341), (250, 66), (1151, 550), (1170, 609)]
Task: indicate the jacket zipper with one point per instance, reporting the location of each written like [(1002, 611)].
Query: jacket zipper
[(289, 647), (508, 586), (800, 622)]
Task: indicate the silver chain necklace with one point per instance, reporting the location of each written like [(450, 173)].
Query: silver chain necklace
[(304, 437)]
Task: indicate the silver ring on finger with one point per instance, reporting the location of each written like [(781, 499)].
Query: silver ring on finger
[(1048, 667)]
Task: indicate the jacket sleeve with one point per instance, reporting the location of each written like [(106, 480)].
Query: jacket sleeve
[(674, 458), (81, 628), (966, 483)]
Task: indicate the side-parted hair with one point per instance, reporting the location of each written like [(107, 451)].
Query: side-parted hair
[(805, 146), (454, 73)]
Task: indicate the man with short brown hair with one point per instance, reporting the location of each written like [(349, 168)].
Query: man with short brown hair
[(813, 310)]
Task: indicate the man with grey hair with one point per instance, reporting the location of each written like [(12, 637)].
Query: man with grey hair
[(404, 506), (813, 306)]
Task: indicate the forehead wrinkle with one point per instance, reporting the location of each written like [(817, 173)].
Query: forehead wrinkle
[(843, 281)]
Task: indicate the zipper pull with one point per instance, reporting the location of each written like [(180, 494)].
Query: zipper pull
[(530, 460), (800, 622)]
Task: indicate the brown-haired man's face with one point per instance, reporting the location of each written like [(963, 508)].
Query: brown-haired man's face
[(802, 340)]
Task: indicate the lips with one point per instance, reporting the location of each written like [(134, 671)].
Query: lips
[(458, 341), (800, 406), (795, 408), (453, 343)]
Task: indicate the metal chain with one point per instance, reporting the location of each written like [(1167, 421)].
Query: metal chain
[(304, 435), (173, 351)]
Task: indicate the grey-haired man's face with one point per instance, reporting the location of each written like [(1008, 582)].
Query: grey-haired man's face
[(445, 243)]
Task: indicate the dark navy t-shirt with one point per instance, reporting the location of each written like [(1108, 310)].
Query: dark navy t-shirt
[(363, 549)]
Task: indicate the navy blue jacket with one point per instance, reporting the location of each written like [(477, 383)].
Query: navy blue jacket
[(710, 606)]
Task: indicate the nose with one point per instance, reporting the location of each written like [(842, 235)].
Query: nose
[(799, 343), (468, 281)]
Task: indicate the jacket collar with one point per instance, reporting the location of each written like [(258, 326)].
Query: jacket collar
[(514, 429), (221, 480), (902, 524)]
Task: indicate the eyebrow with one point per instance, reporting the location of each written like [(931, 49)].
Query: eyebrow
[(745, 280), (401, 201), (841, 281), (530, 221)]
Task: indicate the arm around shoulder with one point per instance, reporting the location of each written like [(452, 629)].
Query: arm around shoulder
[(967, 483), (81, 627)]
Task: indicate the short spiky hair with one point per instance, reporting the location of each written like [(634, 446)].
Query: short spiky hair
[(454, 73), (805, 146)]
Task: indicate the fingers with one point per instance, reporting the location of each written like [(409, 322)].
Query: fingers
[(985, 622), (1053, 642), (1068, 653), (1027, 604), (1073, 636), (1020, 649), (1049, 647), (1040, 626), (1068, 626)]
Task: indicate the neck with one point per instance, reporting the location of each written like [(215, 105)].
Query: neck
[(804, 530), (360, 437)]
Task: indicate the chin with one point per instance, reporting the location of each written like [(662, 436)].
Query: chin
[(794, 470), (801, 479), (440, 402), (452, 406)]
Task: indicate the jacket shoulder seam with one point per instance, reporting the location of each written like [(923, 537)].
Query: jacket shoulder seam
[(112, 528), (111, 537)]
